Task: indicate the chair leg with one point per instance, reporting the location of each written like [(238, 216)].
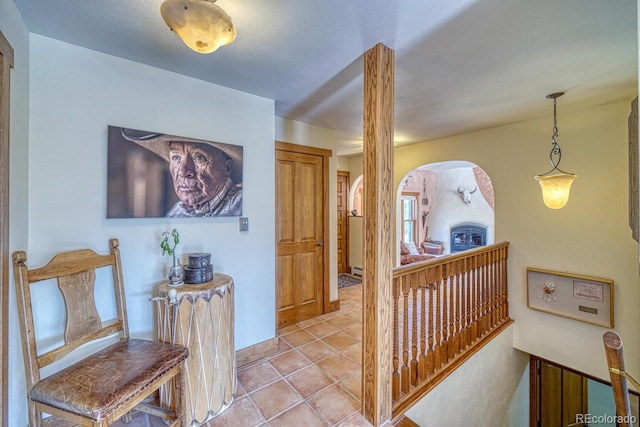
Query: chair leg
[(35, 416), (181, 407)]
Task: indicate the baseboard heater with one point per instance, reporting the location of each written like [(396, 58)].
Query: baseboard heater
[(356, 271)]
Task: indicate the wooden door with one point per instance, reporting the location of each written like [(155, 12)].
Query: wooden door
[(343, 221), (558, 395), (301, 229)]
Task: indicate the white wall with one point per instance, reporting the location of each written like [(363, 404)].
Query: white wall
[(449, 210), (15, 31), (314, 136), (355, 241), (76, 93), (487, 390)]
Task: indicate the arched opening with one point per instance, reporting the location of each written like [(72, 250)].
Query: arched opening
[(355, 196), (443, 208)]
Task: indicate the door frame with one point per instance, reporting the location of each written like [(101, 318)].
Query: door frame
[(347, 175), (324, 154), (6, 63)]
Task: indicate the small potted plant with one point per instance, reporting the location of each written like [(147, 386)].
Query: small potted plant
[(176, 274)]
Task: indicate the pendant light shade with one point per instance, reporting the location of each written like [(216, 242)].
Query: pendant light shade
[(555, 188), (201, 25)]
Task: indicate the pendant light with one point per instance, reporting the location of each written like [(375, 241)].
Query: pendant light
[(555, 188)]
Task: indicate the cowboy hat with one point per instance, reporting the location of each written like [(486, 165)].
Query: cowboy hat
[(159, 143)]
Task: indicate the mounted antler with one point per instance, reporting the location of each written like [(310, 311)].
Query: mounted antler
[(466, 194)]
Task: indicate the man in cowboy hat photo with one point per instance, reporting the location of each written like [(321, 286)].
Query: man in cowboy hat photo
[(207, 176)]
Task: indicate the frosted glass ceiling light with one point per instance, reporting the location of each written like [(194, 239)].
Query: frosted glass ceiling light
[(200, 24), (555, 188)]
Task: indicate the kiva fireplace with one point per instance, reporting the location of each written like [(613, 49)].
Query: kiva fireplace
[(467, 236)]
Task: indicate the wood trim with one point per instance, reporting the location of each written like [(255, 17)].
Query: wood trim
[(403, 421), (378, 228), (347, 175), (6, 63), (295, 148), (246, 355), (634, 179), (325, 229), (6, 50), (334, 306)]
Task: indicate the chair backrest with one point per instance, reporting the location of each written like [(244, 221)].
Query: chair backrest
[(75, 272)]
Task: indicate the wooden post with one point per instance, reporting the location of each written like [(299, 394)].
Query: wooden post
[(6, 62), (378, 207), (615, 360)]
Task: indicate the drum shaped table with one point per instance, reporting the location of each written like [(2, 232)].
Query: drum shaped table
[(200, 317)]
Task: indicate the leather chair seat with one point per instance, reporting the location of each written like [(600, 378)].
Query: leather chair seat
[(105, 383)]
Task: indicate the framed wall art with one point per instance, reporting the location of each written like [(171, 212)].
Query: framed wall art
[(152, 175), (585, 298)]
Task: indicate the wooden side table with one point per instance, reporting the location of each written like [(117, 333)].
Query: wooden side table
[(200, 317)]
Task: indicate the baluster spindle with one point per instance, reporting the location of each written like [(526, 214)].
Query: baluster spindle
[(404, 371), (438, 347), (494, 289), (474, 298), (459, 307), (395, 376), (424, 312), (484, 294), (414, 329), (452, 320), (430, 353), (466, 304), (503, 284), (445, 318)]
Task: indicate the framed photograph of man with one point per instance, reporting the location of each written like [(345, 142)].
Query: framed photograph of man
[(151, 175)]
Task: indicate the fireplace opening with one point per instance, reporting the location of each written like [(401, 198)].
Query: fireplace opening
[(467, 236)]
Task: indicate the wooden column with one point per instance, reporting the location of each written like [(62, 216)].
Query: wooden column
[(6, 62), (378, 201)]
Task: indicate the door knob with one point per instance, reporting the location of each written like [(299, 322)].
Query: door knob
[(319, 243)]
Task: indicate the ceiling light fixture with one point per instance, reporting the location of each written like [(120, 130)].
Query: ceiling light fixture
[(555, 188), (201, 25)]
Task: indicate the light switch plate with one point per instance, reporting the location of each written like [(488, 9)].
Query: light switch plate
[(244, 224)]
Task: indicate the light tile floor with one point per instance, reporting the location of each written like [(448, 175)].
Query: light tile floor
[(313, 380)]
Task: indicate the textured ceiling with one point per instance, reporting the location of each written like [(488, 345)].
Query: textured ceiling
[(461, 65)]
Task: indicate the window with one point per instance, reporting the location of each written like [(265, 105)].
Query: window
[(409, 202)]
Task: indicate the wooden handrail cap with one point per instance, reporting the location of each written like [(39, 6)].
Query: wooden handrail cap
[(612, 340)]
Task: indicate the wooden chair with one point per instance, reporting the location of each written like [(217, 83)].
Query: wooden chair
[(105, 386)]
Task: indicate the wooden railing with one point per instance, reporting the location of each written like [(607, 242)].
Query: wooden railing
[(444, 310)]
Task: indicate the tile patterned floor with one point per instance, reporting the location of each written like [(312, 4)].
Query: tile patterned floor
[(313, 380)]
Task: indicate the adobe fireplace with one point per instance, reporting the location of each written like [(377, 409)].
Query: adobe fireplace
[(467, 236)]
